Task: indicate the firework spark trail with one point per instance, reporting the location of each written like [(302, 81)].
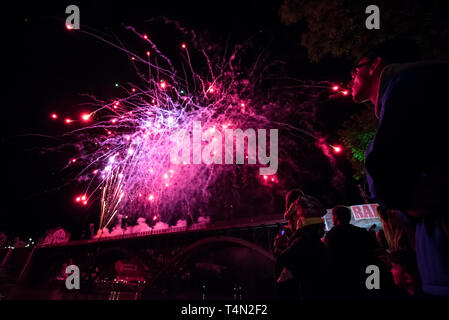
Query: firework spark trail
[(111, 196), (130, 141)]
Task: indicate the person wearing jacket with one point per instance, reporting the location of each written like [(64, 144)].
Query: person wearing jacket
[(404, 167), (306, 259)]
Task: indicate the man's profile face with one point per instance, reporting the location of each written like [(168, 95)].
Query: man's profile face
[(361, 83)]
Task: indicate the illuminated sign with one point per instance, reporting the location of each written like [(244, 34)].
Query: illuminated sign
[(365, 211)]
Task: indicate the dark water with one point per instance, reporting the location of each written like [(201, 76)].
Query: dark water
[(219, 272)]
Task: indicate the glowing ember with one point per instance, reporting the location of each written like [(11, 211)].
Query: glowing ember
[(337, 149)]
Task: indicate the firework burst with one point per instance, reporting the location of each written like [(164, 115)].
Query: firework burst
[(125, 144)]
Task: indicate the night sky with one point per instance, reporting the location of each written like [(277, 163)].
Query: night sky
[(48, 68)]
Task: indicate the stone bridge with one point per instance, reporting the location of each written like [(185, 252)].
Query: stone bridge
[(226, 260), (223, 261)]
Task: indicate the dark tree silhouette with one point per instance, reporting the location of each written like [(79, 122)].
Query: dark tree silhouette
[(337, 27)]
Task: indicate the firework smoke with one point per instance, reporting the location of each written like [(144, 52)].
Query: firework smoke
[(124, 144)]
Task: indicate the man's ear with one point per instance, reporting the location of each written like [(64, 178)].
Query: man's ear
[(375, 65), (407, 277)]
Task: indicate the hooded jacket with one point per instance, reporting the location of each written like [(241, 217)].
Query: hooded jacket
[(405, 165)]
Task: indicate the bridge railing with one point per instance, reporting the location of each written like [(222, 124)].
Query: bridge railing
[(235, 223)]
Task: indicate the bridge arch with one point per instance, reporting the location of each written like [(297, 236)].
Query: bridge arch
[(210, 241)]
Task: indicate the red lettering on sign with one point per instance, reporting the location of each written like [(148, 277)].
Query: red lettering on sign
[(357, 212), (367, 212), (374, 209)]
